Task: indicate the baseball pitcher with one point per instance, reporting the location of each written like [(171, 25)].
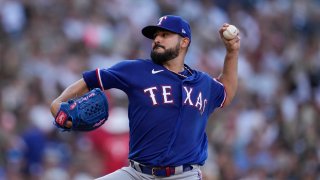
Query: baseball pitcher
[(169, 103)]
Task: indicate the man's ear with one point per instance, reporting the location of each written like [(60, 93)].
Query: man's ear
[(185, 42)]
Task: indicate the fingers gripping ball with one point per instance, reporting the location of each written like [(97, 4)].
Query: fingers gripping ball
[(86, 113), (231, 32)]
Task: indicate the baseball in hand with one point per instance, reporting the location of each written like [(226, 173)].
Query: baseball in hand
[(231, 32)]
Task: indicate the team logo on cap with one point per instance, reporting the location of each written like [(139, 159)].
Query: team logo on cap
[(161, 19), (183, 31)]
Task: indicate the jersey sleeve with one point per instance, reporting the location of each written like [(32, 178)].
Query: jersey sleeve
[(116, 76), (218, 93)]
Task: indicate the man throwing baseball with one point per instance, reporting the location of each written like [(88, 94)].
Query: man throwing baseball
[(169, 102)]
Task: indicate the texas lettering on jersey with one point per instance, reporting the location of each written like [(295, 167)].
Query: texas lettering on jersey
[(166, 94)]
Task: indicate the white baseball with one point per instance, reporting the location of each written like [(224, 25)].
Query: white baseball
[(231, 32)]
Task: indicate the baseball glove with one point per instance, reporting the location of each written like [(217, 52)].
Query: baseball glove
[(86, 113)]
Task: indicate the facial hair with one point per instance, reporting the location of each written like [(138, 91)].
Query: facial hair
[(167, 55)]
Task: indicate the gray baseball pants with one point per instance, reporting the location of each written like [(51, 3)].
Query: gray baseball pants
[(129, 173)]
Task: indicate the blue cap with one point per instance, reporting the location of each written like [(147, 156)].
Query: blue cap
[(170, 23)]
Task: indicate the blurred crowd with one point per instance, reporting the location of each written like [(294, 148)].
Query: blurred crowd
[(271, 130)]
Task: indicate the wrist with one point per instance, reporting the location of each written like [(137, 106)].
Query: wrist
[(54, 108), (232, 51), (233, 54)]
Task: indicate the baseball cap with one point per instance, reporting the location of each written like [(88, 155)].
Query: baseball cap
[(170, 23)]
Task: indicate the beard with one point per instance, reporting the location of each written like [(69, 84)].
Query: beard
[(167, 55)]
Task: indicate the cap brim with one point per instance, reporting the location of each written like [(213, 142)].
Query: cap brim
[(149, 31)]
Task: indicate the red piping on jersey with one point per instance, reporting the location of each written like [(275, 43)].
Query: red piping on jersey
[(99, 78), (224, 99), (225, 93)]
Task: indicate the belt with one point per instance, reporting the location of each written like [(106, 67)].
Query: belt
[(160, 171)]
